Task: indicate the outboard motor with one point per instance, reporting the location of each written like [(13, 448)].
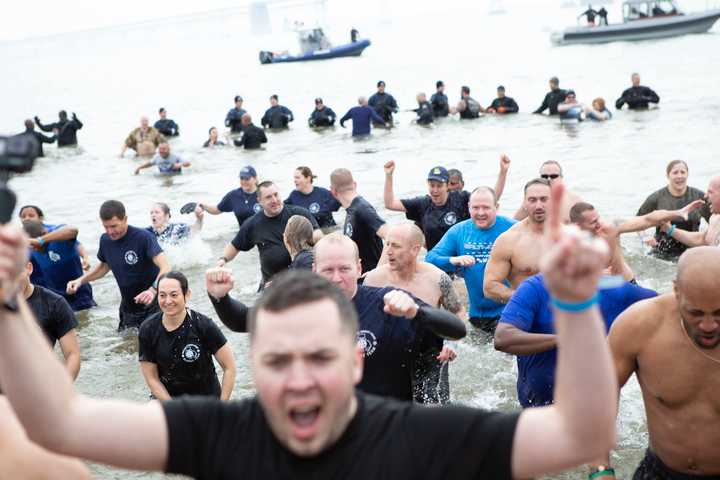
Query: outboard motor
[(266, 57)]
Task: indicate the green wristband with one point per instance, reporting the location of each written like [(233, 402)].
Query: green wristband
[(602, 473)]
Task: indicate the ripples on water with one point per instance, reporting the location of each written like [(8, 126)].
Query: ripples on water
[(112, 77)]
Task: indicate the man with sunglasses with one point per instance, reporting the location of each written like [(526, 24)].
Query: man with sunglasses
[(552, 171)]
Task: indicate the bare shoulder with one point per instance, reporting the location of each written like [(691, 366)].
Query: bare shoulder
[(430, 271), (378, 277), (641, 322)]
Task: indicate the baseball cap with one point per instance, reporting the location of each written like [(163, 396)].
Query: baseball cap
[(248, 172), (439, 174), (500, 87), (439, 84), (381, 83), (238, 98)]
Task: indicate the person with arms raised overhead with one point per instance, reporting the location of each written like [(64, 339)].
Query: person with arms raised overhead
[(637, 97), (307, 415), (165, 125), (65, 130)]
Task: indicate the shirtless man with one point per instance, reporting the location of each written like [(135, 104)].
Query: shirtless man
[(711, 236), (587, 218), (515, 255), (672, 344), (431, 285), (552, 171)]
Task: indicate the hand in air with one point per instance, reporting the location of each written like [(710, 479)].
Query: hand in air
[(689, 208), (400, 304), (219, 282), (504, 163), (389, 167)]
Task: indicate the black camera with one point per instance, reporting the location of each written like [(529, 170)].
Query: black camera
[(17, 155)]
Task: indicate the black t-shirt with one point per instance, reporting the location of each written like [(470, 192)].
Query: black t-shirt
[(244, 205), (131, 261), (183, 356), (664, 200), (209, 439), (435, 220), (53, 313), (361, 224), (267, 234), (303, 260), (319, 202)]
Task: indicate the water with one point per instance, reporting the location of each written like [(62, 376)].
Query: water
[(194, 67)]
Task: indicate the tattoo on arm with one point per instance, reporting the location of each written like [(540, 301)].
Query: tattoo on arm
[(448, 296)]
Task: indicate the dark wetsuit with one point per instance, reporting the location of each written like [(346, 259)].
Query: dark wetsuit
[(233, 119), (277, 117), (652, 468), (67, 130), (167, 127), (40, 139), (637, 98), (472, 109), (384, 105), (507, 102), (424, 114), (252, 137), (440, 105), (590, 14), (322, 118), (551, 101)]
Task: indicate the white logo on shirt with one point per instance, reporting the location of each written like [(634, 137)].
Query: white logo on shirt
[(190, 353), (131, 258), (367, 341), (54, 257), (257, 207), (349, 229), (450, 218), (314, 207)]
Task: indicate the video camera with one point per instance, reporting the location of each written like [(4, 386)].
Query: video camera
[(17, 155)]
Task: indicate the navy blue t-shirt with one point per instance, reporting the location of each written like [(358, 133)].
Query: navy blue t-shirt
[(529, 310), (55, 266), (319, 202), (361, 224), (243, 205), (131, 261), (435, 220), (390, 345), (52, 313)]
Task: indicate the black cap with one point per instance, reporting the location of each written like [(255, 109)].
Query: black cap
[(570, 92), (238, 98), (500, 87), (555, 80), (381, 83), (439, 84)]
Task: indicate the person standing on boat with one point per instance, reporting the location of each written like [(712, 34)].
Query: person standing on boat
[(554, 97), (590, 14), (361, 116), (277, 116), (354, 35), (439, 101), (233, 119), (322, 116), (602, 13), (503, 104), (637, 97), (384, 104)]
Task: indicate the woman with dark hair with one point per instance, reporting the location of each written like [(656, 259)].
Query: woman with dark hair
[(177, 345), (298, 239), (676, 195), (212, 140), (319, 201), (172, 233)]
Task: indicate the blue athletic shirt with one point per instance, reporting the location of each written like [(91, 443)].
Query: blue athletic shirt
[(243, 205), (131, 261), (465, 238), (165, 164), (319, 202), (529, 310)]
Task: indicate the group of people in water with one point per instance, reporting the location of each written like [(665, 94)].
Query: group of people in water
[(356, 305)]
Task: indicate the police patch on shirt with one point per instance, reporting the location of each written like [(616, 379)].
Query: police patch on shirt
[(131, 258), (257, 207), (450, 218), (190, 353), (367, 341), (54, 257), (314, 207), (348, 229)]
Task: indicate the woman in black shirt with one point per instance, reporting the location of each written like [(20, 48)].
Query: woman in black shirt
[(177, 346)]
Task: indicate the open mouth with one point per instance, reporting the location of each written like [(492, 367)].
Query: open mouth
[(304, 421)]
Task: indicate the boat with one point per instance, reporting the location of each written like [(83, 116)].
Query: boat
[(314, 45), (642, 20)]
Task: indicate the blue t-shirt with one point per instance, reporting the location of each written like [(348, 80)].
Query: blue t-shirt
[(389, 343), (173, 234), (165, 164), (319, 202), (529, 310), (131, 261), (57, 265), (361, 117), (244, 205), (465, 238)]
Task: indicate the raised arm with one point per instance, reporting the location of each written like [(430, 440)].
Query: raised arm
[(440, 322), (657, 217), (498, 269), (232, 313), (502, 176), (391, 203), (199, 214), (44, 128)]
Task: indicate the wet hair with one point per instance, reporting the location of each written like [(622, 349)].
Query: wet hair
[(439, 84), (294, 288), (164, 207), (273, 97), (536, 181), (341, 179), (578, 209), (465, 89), (112, 209), (33, 207), (306, 172), (176, 275), (211, 129), (454, 172), (601, 102), (489, 190), (299, 233), (34, 228), (161, 110), (552, 162), (674, 164), (29, 124), (261, 185)]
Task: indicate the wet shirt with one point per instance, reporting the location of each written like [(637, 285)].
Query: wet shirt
[(440, 104), (385, 440), (166, 164), (244, 205), (319, 202), (303, 260), (266, 233), (384, 105), (529, 311), (138, 136), (466, 238), (435, 220), (322, 118), (251, 137), (183, 356), (173, 233), (58, 264), (472, 108), (131, 261), (167, 127), (424, 113), (277, 117), (551, 101), (52, 313), (233, 119), (664, 200), (637, 98), (361, 117), (66, 131), (361, 224), (508, 103), (40, 138)]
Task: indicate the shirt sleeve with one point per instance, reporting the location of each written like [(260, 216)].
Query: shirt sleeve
[(445, 248), (63, 317), (414, 208), (146, 352), (243, 239), (305, 213), (523, 306), (635, 293), (225, 204), (649, 205), (369, 215), (213, 338), (101, 252), (153, 247)]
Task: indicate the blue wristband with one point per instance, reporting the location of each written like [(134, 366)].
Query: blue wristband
[(670, 231), (41, 241), (574, 307)]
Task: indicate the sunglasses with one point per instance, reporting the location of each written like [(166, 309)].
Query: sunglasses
[(550, 176)]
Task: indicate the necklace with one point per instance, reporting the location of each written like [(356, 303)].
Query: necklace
[(687, 335)]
